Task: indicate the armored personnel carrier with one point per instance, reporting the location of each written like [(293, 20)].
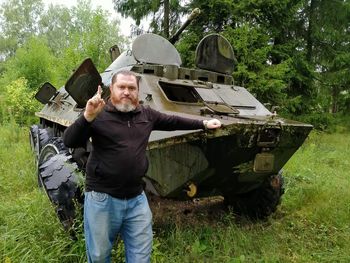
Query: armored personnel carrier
[(242, 161)]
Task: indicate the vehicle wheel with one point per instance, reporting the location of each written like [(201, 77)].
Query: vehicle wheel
[(57, 174), (33, 133), (259, 203), (43, 136), (56, 147)]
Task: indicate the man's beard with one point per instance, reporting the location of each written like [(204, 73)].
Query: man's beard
[(125, 107)]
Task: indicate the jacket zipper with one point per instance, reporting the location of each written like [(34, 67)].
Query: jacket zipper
[(129, 124)]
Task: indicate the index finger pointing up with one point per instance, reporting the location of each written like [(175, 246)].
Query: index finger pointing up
[(99, 91)]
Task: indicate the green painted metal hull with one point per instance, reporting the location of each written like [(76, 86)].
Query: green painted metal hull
[(220, 162)]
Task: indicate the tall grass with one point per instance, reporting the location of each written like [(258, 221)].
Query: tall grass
[(311, 225), (29, 229)]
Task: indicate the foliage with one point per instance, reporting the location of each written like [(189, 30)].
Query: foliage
[(34, 62), (26, 216), (187, 46), (266, 80), (331, 49), (215, 15), (289, 53), (136, 9), (56, 25), (19, 21), (292, 53), (165, 14), (310, 226), (320, 121), (48, 45), (19, 102), (91, 35), (97, 34)]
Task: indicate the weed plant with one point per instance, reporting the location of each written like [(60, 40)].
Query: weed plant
[(311, 225)]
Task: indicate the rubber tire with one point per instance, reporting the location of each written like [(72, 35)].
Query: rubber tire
[(33, 134), (56, 147), (43, 137), (259, 203), (57, 174)]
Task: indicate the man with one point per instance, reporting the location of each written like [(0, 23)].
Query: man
[(114, 198)]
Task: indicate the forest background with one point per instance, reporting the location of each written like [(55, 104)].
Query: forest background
[(293, 54)]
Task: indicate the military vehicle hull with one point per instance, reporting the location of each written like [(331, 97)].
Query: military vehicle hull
[(229, 161), (242, 161)]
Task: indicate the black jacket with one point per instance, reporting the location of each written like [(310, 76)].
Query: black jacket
[(118, 159)]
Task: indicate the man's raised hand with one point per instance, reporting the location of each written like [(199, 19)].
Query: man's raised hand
[(94, 106)]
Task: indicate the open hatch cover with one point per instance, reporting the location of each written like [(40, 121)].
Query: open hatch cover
[(215, 53), (154, 49), (45, 93), (82, 85)]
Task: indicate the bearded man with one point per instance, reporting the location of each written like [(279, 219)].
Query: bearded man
[(115, 202)]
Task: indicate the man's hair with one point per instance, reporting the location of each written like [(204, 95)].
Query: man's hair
[(125, 73)]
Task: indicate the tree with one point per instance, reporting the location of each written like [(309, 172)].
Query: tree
[(39, 46), (215, 15), (34, 62), (91, 35), (56, 25), (328, 46), (165, 14), (19, 21), (262, 44)]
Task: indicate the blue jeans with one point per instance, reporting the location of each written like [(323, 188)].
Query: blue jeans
[(105, 217)]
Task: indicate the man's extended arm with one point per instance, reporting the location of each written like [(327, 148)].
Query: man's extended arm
[(171, 122)]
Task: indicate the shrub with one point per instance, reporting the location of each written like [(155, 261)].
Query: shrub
[(18, 102), (320, 121)]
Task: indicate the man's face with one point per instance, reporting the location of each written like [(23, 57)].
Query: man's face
[(125, 93)]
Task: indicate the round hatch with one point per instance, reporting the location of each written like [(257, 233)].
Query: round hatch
[(154, 49), (215, 53)]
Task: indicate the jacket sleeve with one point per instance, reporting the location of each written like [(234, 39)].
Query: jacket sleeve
[(167, 122), (78, 133)]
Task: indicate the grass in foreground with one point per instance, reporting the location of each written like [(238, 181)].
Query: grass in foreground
[(312, 224)]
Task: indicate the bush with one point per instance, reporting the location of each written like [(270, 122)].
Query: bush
[(342, 123), (18, 102), (34, 61), (320, 121)]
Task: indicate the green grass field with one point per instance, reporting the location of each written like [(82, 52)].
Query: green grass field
[(311, 225)]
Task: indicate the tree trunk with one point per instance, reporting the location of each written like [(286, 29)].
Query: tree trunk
[(335, 95), (310, 29), (166, 18)]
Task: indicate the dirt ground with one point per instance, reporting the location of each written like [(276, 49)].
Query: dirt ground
[(168, 212)]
